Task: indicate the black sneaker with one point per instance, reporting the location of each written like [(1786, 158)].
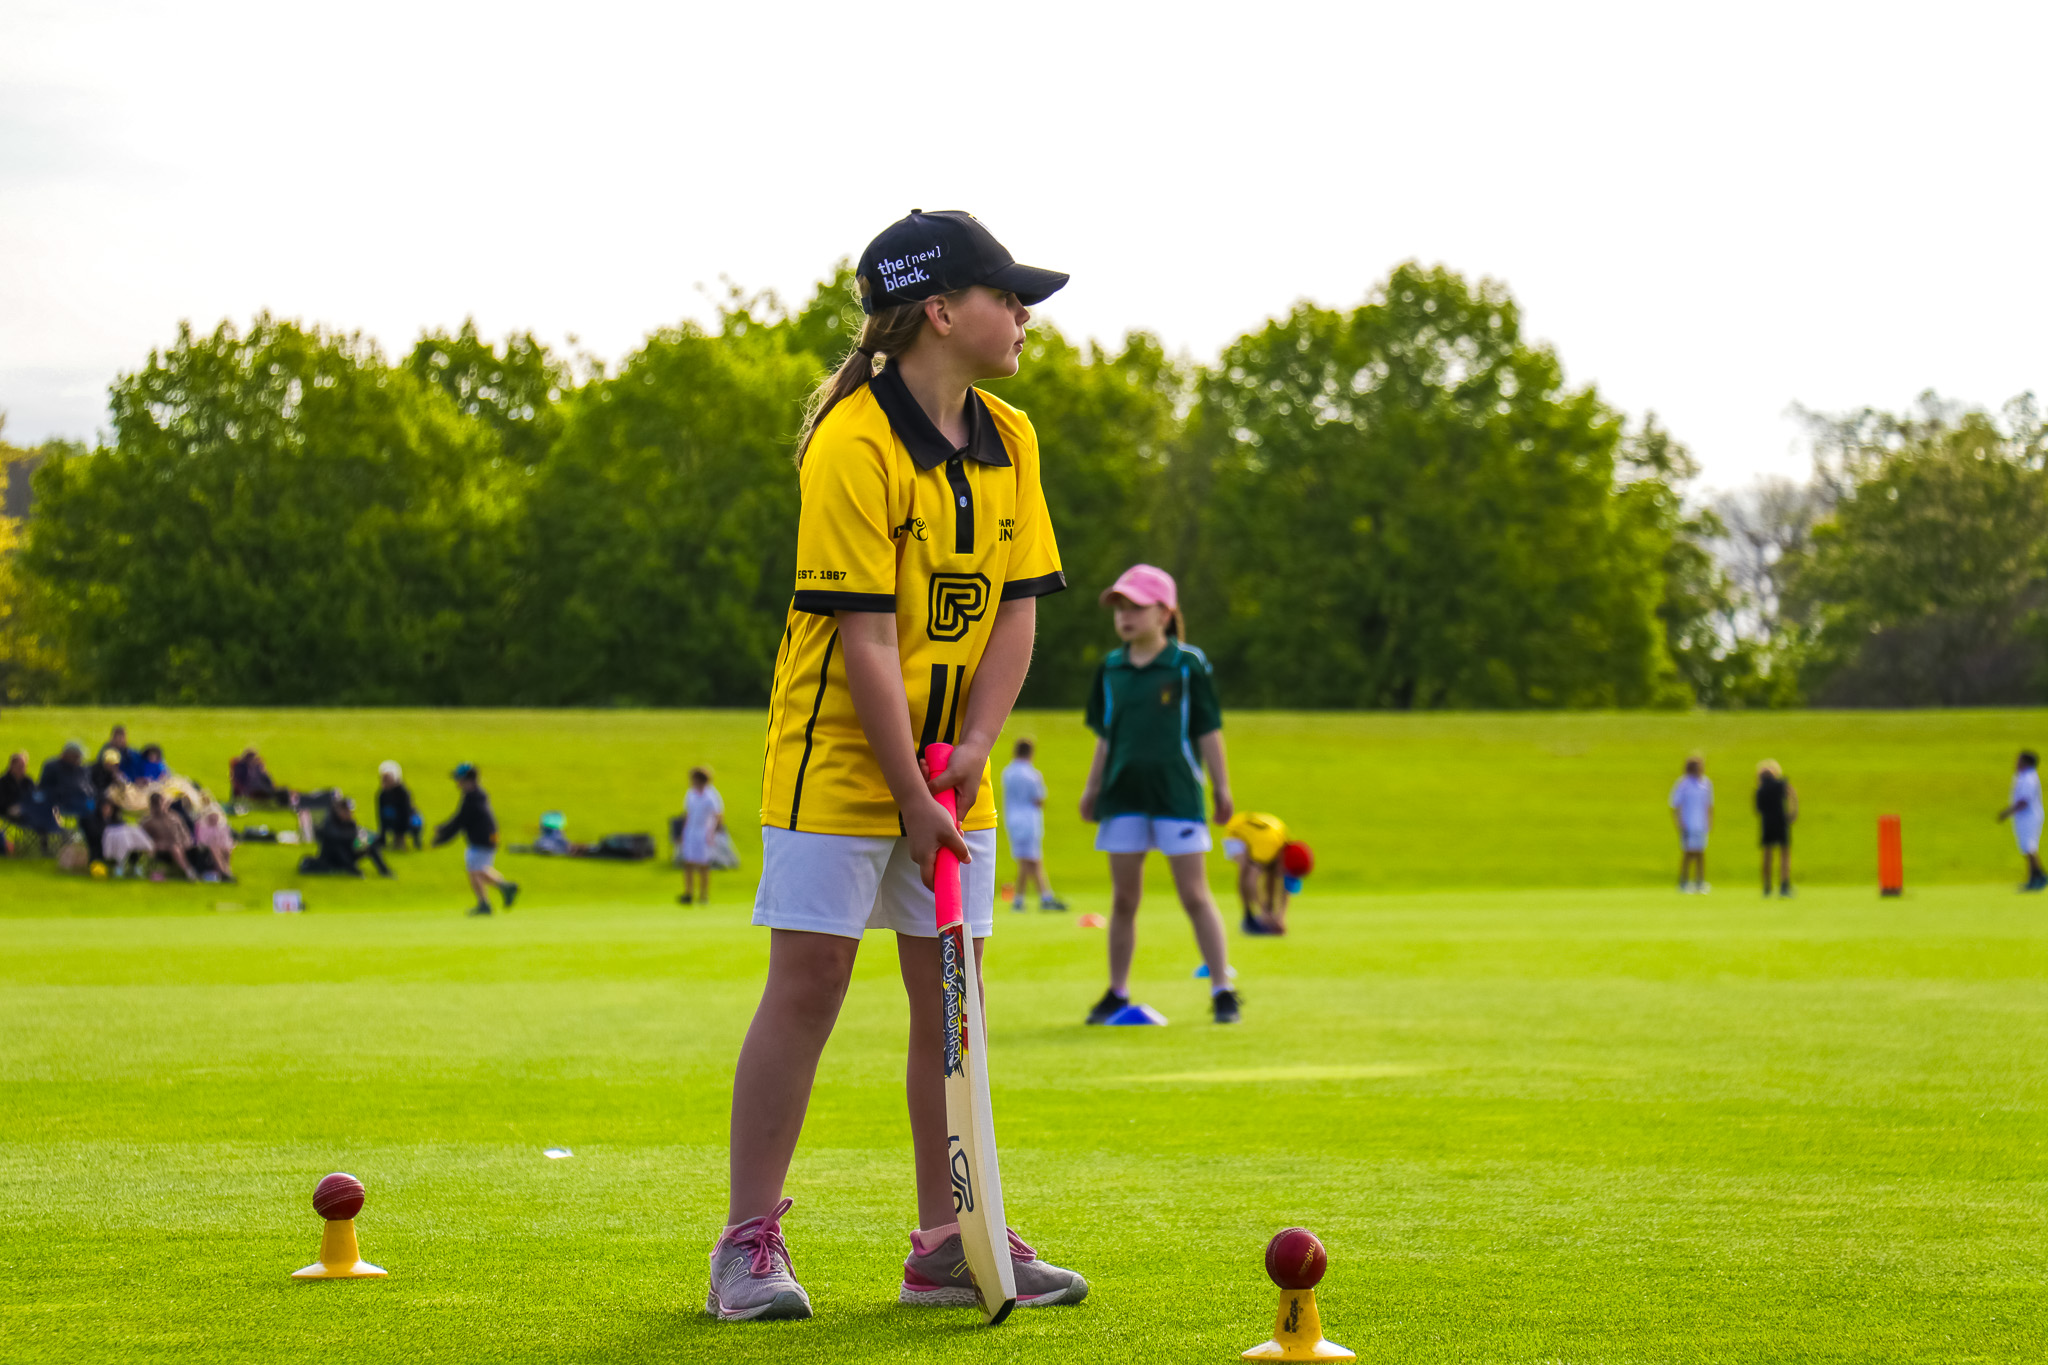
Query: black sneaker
[(1049, 903), (1224, 1004), (476, 910), (511, 893), (1108, 1005)]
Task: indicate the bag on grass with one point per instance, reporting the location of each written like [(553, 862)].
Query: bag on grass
[(724, 857), (629, 847)]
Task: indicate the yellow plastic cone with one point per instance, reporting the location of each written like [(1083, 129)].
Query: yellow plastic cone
[(1298, 1332), (342, 1259)]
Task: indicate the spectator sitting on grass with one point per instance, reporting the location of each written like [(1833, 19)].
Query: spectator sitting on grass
[(107, 774), (249, 780), (129, 761), (23, 805), (169, 836), (66, 783), (341, 844), (214, 836), (122, 843), (397, 820), (151, 767)]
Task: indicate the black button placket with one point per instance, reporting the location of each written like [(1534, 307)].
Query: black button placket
[(963, 507)]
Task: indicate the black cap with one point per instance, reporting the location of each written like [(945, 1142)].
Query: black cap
[(926, 254)]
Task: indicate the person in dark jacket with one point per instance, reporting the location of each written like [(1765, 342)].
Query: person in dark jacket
[(341, 848), (397, 821), (1777, 806), (479, 830), (23, 805), (129, 761), (67, 783)]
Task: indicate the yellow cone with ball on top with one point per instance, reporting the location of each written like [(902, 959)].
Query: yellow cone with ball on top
[(338, 1199), (1296, 1261)]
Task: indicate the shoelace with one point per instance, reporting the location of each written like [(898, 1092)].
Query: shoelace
[(1017, 1247), (762, 1240)]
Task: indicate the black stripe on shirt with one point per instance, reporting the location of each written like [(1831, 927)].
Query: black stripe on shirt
[(934, 709), (954, 722), (1042, 586), (796, 795), (963, 507), (819, 603)]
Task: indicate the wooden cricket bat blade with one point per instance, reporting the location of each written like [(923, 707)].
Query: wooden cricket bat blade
[(971, 1151)]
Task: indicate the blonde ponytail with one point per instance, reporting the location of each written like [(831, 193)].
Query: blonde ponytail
[(886, 333)]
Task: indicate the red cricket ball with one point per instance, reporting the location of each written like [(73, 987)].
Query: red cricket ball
[(1295, 1259), (338, 1196)]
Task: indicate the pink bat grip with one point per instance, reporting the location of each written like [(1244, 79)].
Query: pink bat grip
[(946, 875)]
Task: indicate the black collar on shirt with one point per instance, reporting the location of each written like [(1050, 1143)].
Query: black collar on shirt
[(923, 440)]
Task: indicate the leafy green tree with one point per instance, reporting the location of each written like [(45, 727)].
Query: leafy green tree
[(1404, 506), (1926, 585), (662, 529), (282, 518), (515, 390), (1107, 422)]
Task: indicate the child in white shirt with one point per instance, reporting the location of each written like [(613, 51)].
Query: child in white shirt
[(1024, 818), (1692, 810), (2025, 814)]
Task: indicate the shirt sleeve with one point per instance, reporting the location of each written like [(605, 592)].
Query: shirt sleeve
[(1096, 714), (845, 558), (1205, 713), (1034, 569)]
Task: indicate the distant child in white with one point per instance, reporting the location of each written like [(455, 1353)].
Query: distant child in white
[(1024, 795), (2025, 814), (1692, 810)]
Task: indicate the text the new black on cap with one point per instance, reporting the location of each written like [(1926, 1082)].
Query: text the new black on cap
[(925, 254)]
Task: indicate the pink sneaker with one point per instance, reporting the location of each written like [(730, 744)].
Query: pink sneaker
[(751, 1280), (936, 1274)]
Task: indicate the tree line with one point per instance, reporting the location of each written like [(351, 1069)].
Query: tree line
[(1400, 505)]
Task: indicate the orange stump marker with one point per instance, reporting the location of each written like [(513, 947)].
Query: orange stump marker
[(1891, 857)]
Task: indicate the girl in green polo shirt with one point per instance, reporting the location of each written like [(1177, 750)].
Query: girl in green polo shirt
[(1157, 723)]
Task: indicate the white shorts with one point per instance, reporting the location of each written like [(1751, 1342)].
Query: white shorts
[(846, 884), (1143, 833), (1693, 840), (122, 841), (1027, 836), (2027, 834), (1234, 849), (478, 857)]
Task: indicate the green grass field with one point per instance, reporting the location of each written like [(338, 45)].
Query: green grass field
[(1539, 1106)]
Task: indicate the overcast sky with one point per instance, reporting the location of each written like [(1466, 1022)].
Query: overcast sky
[(1710, 211)]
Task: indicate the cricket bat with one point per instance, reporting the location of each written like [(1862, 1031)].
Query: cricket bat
[(970, 1126)]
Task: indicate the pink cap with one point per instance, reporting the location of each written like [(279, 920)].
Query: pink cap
[(1145, 585)]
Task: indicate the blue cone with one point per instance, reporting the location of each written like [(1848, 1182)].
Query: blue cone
[(1137, 1014), (1202, 972)]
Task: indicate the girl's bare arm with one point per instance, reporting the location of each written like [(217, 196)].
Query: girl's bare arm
[(1211, 746), (1094, 787)]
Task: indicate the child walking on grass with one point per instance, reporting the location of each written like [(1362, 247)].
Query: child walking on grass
[(478, 826), (2024, 810), (1153, 708), (923, 546)]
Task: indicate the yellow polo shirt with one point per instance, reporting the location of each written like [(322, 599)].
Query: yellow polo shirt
[(1263, 835), (895, 519)]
